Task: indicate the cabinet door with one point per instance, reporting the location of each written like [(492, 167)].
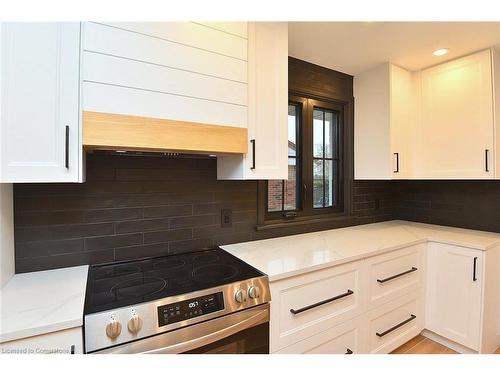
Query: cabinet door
[(40, 75), (454, 283), (267, 156), (457, 119)]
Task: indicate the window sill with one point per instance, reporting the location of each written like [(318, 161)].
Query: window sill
[(297, 222)]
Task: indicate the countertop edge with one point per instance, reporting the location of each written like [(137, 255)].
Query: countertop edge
[(41, 330)]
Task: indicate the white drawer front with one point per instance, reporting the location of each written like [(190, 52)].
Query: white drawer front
[(345, 338), (305, 305), (394, 274), (394, 323), (59, 342)]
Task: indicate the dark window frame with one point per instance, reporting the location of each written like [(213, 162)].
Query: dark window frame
[(305, 211)]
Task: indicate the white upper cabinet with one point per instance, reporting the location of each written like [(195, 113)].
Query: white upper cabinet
[(182, 71), (457, 128), (40, 138), (438, 123), (383, 123), (267, 157)]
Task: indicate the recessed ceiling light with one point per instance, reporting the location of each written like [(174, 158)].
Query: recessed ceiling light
[(440, 52)]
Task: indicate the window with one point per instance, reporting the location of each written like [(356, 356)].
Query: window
[(283, 194), (314, 185)]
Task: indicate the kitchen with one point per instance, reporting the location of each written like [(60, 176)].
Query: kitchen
[(236, 187)]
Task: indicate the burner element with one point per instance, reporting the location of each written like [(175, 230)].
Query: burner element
[(106, 272), (205, 258), (169, 264), (138, 287), (210, 272)]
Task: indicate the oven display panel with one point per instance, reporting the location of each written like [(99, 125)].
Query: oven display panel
[(190, 308)]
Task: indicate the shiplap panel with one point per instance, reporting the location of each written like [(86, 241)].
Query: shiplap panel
[(130, 73), (113, 41), (236, 28), (191, 34), (138, 102)]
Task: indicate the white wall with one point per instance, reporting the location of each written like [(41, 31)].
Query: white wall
[(6, 234)]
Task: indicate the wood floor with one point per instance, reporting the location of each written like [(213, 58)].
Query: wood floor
[(423, 345)]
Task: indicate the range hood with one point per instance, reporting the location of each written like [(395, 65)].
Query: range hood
[(108, 131)]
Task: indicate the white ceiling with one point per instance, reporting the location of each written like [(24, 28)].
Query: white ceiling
[(354, 47)]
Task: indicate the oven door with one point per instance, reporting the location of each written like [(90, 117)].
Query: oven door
[(245, 331)]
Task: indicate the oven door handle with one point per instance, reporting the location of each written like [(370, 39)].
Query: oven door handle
[(195, 336), (253, 320)]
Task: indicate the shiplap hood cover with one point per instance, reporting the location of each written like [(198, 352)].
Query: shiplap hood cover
[(354, 47)]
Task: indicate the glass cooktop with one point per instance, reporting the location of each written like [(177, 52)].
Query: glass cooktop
[(114, 285)]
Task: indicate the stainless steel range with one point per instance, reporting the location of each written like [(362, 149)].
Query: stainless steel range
[(202, 302)]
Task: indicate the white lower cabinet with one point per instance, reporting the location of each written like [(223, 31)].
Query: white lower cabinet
[(308, 304), (67, 341), (394, 274), (345, 338), (454, 289), (376, 304), (394, 323)]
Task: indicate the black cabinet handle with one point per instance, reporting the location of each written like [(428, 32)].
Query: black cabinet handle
[(66, 152), (487, 168), (397, 162), (72, 350), (298, 311), (396, 326), (252, 141), (413, 269), (474, 278), (348, 351)]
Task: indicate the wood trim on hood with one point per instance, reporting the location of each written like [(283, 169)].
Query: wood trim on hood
[(107, 131)]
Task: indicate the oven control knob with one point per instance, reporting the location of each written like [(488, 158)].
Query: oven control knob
[(239, 296), (134, 325), (254, 292), (113, 329)]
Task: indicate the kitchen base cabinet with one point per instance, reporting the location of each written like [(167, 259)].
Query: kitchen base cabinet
[(68, 341), (308, 304), (376, 304), (345, 338), (394, 323), (395, 274), (462, 297)]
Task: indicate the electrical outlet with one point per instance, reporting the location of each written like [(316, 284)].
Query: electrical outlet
[(226, 218)]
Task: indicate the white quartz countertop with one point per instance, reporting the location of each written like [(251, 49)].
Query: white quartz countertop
[(35, 303), (288, 256)]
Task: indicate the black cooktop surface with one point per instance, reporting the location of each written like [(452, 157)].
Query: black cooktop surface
[(114, 285)]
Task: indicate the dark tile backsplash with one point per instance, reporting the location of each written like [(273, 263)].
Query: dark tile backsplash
[(133, 207), (465, 204)]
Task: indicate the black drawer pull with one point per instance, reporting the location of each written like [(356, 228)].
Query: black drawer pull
[(66, 148), (413, 269), (252, 141), (474, 278), (72, 350), (349, 351), (348, 293), (397, 162), (396, 326)]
